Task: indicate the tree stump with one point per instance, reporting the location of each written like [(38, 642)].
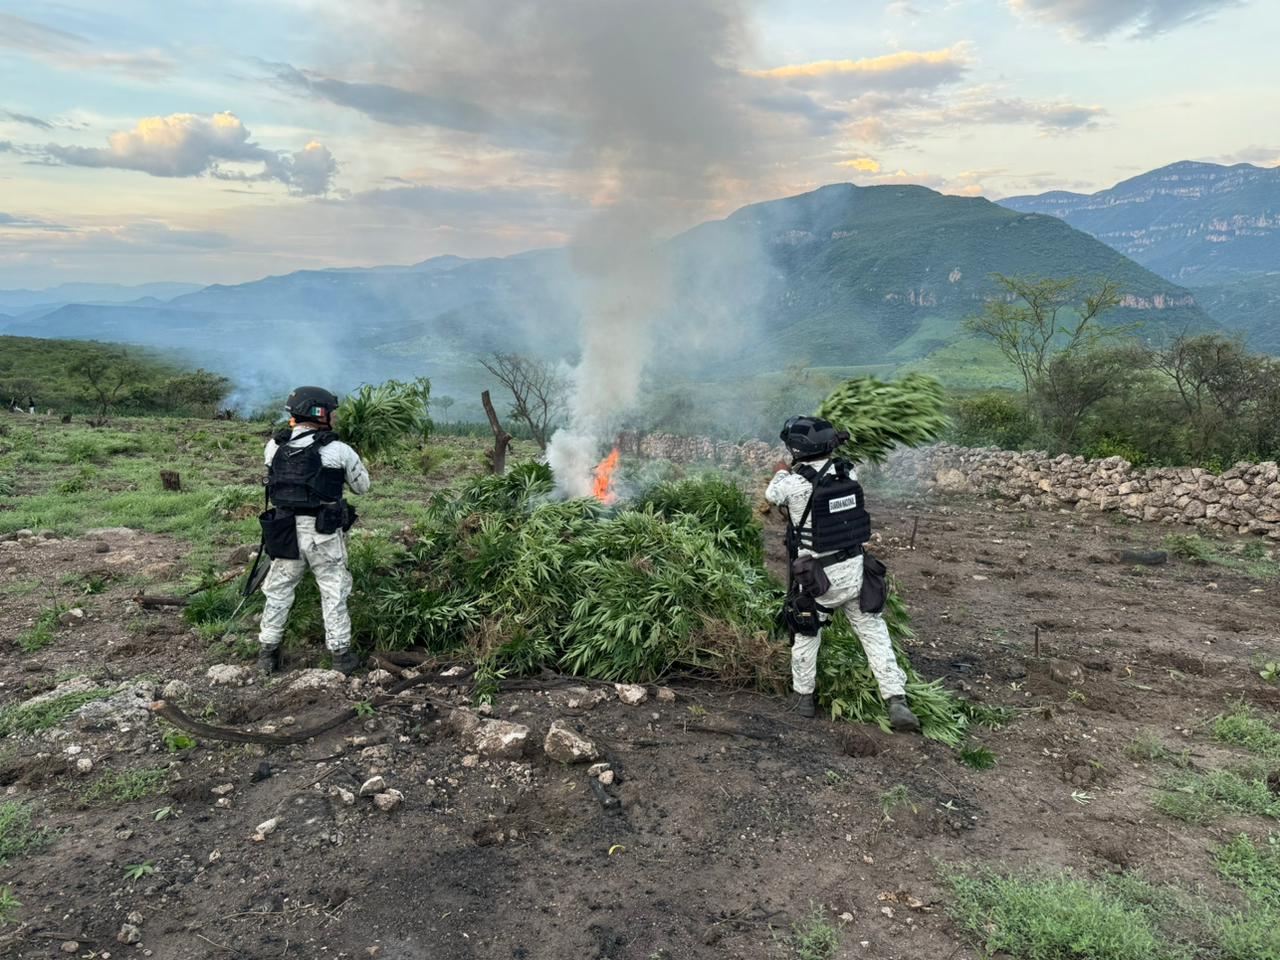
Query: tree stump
[(171, 480), (497, 457)]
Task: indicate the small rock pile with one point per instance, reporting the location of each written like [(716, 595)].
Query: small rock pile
[(1244, 499)]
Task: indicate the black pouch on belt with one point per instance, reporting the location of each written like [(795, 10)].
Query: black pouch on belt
[(801, 614), (332, 517), (279, 534), (875, 586), (810, 576)]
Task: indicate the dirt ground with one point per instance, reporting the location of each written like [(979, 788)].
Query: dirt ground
[(737, 817)]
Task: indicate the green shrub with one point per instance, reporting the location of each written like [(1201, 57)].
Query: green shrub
[(997, 419)]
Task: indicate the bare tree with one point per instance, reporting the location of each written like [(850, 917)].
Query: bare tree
[(538, 391), (501, 439), (1038, 317)]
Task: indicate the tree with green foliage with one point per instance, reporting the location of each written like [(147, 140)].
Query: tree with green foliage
[(198, 389), (109, 377), (1035, 318), (1074, 382)]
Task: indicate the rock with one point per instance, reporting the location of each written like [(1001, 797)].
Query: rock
[(124, 533), (565, 745), (373, 785), (952, 480), (388, 800), (24, 534), (176, 690), (135, 918), (242, 555), (666, 695), (222, 789), (222, 803), (316, 679), (101, 547), (129, 934), (265, 829), (632, 694), (596, 769), (84, 765), (69, 946), (1066, 672), (379, 677), (71, 618), (343, 794), (228, 675), (606, 777), (1146, 558), (497, 739)]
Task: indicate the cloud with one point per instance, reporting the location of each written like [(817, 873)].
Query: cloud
[(70, 51), (1049, 116), (25, 118), (1256, 154), (1096, 19), (893, 71), (189, 145), (387, 103), (9, 221), (861, 164)]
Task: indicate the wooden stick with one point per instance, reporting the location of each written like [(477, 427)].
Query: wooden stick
[(915, 525), (142, 600)]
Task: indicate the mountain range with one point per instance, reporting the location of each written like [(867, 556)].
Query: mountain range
[(842, 276), (1213, 228)]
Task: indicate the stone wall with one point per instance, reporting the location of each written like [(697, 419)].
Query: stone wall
[(752, 455), (1244, 499)]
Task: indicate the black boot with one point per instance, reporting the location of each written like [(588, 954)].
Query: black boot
[(805, 705), (346, 662), (901, 719), (268, 660)]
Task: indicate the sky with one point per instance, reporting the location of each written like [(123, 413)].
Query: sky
[(221, 142)]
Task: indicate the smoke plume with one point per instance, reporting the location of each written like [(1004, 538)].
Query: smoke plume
[(642, 105)]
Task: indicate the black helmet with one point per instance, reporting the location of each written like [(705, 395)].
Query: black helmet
[(311, 404), (808, 437)]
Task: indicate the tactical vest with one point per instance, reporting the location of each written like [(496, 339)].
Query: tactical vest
[(298, 480), (838, 518)]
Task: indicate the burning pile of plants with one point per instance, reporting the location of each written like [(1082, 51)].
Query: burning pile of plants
[(506, 573)]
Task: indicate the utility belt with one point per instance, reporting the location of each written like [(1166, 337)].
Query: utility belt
[(280, 532)]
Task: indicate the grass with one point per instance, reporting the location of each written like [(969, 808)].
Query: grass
[(814, 937), (8, 906), (1149, 747), (1246, 727), (42, 633), (977, 758), (17, 835), (1253, 558), (124, 786), (1205, 797), (1253, 867), (1052, 918), (18, 718)]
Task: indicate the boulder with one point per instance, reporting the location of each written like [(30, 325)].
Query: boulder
[(228, 675), (388, 800), (565, 745), (497, 739), (632, 694), (317, 679)]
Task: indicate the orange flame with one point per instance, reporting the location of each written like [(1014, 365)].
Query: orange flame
[(602, 490)]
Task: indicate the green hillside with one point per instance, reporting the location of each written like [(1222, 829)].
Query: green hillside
[(49, 372), (866, 273)]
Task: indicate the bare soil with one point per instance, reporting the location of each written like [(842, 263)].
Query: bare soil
[(737, 817)]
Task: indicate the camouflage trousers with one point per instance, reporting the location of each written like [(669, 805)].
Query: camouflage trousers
[(873, 633), (325, 554)]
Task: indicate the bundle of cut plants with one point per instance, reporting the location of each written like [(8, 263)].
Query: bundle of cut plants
[(671, 584), (879, 415)]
